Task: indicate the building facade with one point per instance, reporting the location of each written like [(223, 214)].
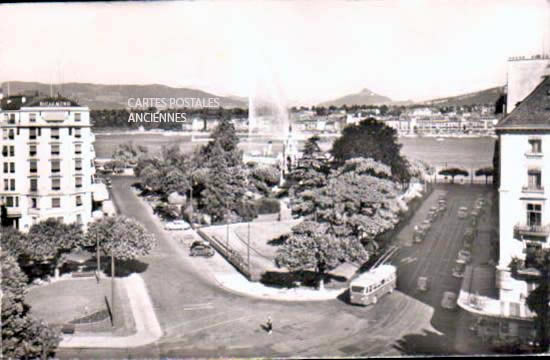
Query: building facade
[(47, 158), (524, 193)]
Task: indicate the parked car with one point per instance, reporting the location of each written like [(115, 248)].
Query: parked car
[(462, 212), (449, 300), (419, 234), (422, 283), (177, 225), (458, 270), (442, 206), (425, 225), (201, 248), (464, 256), (432, 214)]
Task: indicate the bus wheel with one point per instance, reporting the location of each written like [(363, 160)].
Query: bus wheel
[(374, 300)]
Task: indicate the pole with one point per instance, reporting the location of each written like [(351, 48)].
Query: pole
[(112, 289), (248, 247), (98, 259)]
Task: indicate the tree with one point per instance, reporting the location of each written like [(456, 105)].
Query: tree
[(538, 299), (225, 136), (129, 154), (23, 336), (372, 139), (356, 203), (13, 241), (48, 240), (313, 246), (486, 171), (120, 236), (453, 172)]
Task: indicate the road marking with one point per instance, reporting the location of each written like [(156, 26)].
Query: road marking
[(198, 306), (409, 259)]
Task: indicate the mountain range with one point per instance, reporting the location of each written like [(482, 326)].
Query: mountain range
[(100, 96)]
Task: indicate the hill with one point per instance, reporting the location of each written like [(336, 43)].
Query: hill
[(100, 96), (364, 97), (488, 96)]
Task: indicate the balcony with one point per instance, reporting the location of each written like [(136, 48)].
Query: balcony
[(533, 189), (531, 154), (532, 230)]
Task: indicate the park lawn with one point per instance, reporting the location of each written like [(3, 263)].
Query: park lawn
[(64, 301)]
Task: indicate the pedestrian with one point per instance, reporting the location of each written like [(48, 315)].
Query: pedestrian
[(269, 325)]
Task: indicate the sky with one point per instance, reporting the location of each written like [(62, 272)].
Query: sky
[(299, 51)]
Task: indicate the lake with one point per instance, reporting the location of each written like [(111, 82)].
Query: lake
[(471, 153)]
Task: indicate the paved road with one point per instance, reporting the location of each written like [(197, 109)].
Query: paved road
[(201, 320)]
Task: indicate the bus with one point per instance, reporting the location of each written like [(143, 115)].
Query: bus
[(372, 285)]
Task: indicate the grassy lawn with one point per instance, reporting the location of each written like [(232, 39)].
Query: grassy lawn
[(77, 300)]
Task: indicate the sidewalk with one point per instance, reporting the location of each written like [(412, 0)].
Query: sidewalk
[(147, 326)]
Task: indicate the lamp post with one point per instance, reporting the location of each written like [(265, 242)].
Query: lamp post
[(112, 289), (98, 257)]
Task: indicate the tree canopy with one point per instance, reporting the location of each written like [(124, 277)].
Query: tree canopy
[(23, 336), (123, 237), (372, 139), (453, 172)]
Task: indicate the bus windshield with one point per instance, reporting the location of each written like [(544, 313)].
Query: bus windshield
[(357, 289)]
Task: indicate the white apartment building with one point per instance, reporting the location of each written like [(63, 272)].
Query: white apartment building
[(47, 161), (524, 193)]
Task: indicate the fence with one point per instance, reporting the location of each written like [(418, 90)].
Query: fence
[(470, 179), (227, 252)]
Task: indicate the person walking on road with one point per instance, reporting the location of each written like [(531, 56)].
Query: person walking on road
[(269, 325)]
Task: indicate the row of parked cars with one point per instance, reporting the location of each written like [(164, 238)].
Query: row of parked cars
[(435, 211), (198, 247)]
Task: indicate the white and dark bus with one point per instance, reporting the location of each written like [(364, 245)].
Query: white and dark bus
[(370, 286)]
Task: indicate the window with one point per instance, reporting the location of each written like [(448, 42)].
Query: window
[(12, 184), (32, 134), (32, 117), (6, 185), (77, 117), (9, 201), (5, 150), (6, 168), (78, 164), (531, 249), (56, 166), (534, 214), (56, 184), (70, 131), (34, 203), (78, 200), (535, 146), (5, 134), (11, 135), (78, 218), (34, 185), (54, 134), (78, 182), (55, 149), (32, 150), (12, 168), (535, 179), (77, 133), (12, 150), (33, 166), (78, 149), (56, 202)]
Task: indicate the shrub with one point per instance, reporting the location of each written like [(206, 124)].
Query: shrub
[(246, 210), (168, 211), (267, 174), (268, 206)]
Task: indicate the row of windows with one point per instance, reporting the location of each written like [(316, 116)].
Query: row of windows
[(55, 166), (9, 134), (9, 184), (13, 201), (32, 117), (55, 150), (56, 184)]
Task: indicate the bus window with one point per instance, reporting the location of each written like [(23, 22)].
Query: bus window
[(357, 289)]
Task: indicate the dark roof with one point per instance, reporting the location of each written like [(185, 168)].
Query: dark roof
[(533, 113), (15, 102)]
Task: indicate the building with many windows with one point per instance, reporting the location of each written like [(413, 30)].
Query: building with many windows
[(524, 194), (47, 161)]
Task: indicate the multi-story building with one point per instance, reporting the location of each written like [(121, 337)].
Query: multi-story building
[(47, 158), (524, 193)]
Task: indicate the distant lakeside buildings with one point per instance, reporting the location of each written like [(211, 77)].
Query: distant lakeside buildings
[(47, 158)]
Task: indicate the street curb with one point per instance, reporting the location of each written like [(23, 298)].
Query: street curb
[(148, 329)]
